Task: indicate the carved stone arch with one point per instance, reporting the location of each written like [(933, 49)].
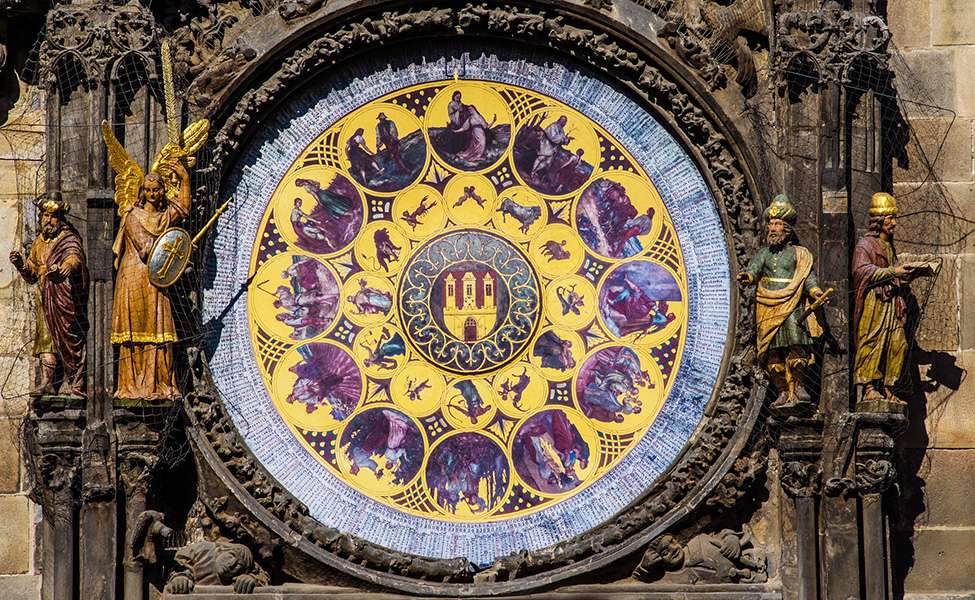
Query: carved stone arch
[(865, 71), (802, 73), (127, 60), (134, 100), (709, 475), (69, 70)]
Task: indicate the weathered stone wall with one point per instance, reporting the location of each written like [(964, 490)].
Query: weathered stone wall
[(934, 524), (21, 155)]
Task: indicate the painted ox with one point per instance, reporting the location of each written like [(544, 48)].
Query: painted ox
[(526, 215)]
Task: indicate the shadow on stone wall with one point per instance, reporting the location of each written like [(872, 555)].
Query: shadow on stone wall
[(926, 397)]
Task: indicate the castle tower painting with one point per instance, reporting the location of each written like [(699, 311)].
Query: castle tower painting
[(469, 307)]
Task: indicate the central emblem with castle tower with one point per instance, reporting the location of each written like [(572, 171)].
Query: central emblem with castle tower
[(469, 303)]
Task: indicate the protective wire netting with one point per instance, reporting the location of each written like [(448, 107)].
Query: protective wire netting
[(890, 134), (53, 128)]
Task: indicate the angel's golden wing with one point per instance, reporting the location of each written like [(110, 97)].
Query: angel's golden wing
[(128, 175), (193, 139)]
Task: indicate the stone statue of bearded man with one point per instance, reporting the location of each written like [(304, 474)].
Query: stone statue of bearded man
[(786, 281)]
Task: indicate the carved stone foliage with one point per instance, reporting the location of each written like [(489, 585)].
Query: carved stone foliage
[(729, 480), (824, 43), (52, 454), (801, 479), (867, 442), (874, 468), (293, 9), (135, 470), (874, 476), (131, 29), (723, 557), (710, 36), (94, 35), (60, 471), (800, 445), (202, 42)]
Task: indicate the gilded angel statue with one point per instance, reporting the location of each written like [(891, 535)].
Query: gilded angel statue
[(142, 315)]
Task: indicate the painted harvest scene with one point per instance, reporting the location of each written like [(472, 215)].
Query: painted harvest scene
[(469, 300)]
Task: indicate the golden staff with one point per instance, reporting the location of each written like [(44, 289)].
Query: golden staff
[(219, 212), (815, 305)]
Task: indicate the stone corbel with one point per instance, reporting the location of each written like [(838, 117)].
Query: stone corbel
[(869, 439), (801, 479), (800, 446), (54, 441), (874, 469), (135, 469), (60, 471)]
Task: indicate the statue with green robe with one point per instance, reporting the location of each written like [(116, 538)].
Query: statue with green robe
[(786, 285)]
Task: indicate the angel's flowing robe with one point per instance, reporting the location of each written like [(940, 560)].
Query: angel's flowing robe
[(142, 315)]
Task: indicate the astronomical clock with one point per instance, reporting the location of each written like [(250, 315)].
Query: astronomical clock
[(468, 307)]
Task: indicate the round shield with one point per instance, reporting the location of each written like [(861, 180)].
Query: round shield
[(168, 257)]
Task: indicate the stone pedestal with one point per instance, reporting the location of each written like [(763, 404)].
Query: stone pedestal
[(874, 472), (800, 446), (58, 437), (138, 440)]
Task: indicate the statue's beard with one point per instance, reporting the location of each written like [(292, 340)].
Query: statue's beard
[(49, 231), (776, 239)]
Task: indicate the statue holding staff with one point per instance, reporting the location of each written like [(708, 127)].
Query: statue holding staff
[(142, 313), (786, 281)]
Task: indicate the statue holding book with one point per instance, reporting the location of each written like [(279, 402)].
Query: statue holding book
[(879, 285)]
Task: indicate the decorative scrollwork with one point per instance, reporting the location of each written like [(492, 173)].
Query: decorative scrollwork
[(93, 36), (874, 476), (829, 41), (60, 471), (132, 29)]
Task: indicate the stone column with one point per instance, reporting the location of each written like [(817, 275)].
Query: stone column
[(800, 449), (874, 471), (137, 447), (77, 52), (58, 436)]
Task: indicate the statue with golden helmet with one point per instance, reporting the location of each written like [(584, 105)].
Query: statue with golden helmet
[(879, 309)]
